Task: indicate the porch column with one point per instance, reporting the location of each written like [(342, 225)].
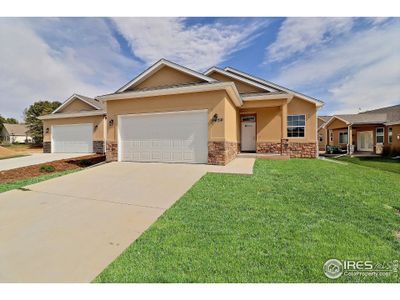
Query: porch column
[(284, 139), (349, 139), (284, 121)]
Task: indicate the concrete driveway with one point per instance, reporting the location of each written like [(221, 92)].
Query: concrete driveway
[(68, 229), (34, 159)]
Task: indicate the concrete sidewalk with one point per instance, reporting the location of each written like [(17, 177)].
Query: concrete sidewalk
[(68, 229), (34, 159)]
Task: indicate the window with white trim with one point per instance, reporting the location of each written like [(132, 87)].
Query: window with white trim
[(296, 125), (343, 137), (390, 135), (380, 135)]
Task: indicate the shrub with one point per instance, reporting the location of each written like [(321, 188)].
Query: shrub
[(85, 163), (334, 150), (47, 169), (391, 151)]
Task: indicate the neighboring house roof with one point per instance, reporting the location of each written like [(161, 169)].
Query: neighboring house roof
[(157, 66), (325, 118), (92, 102), (389, 115), (239, 78), (16, 129), (392, 112), (270, 84)]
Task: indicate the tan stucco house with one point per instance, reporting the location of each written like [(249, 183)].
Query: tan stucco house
[(170, 113), (373, 131)]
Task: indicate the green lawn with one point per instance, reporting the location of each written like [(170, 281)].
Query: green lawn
[(279, 225), (382, 163), (4, 187)]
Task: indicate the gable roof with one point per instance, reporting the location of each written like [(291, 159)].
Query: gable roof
[(157, 66), (229, 87), (240, 78), (359, 119), (270, 84), (92, 102), (16, 129), (325, 118)]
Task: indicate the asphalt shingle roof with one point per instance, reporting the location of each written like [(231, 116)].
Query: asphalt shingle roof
[(16, 129)]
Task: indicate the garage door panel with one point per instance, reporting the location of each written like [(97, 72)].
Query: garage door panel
[(170, 137), (72, 138)]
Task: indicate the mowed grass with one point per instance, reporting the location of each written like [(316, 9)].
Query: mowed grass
[(13, 156), (382, 163), (4, 187), (279, 225)]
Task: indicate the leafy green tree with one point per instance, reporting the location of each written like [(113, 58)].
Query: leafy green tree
[(11, 121), (31, 115)]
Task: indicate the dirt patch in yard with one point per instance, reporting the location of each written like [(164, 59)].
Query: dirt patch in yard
[(59, 166), (4, 152)]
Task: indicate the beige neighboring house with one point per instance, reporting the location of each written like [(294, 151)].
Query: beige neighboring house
[(369, 132), (322, 134), (15, 133), (170, 113)]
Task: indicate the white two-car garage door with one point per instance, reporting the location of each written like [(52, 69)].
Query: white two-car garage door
[(72, 138), (164, 137)]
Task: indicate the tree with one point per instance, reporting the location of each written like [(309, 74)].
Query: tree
[(31, 115), (11, 121)]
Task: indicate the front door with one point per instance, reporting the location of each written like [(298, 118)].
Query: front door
[(365, 141), (248, 133)]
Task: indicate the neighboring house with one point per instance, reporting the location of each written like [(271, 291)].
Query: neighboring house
[(15, 133), (322, 133), (369, 131), (170, 113)]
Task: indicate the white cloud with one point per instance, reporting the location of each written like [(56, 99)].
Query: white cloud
[(196, 46), (297, 35), (360, 69), (49, 59)]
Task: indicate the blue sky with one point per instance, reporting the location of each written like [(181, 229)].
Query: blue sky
[(349, 63)]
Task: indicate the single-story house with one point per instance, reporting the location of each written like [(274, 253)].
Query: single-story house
[(170, 113), (15, 133), (369, 131)]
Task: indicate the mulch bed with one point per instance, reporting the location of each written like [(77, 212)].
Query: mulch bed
[(59, 165)]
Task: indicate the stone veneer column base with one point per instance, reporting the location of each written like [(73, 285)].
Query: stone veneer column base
[(46, 147), (98, 147), (221, 153), (111, 152)]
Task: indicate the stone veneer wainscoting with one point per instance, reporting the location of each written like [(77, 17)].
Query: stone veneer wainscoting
[(221, 153), (98, 147), (46, 147), (300, 150), (111, 152)]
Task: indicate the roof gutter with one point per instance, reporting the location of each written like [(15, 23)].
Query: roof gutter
[(72, 115)]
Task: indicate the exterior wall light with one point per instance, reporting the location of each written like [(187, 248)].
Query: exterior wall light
[(47, 130), (111, 123), (216, 118)]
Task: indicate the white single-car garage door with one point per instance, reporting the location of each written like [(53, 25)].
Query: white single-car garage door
[(72, 138), (164, 137)]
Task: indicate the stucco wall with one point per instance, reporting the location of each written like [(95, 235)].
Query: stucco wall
[(166, 76), (98, 133), (75, 106), (242, 87), (298, 107), (214, 102)]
